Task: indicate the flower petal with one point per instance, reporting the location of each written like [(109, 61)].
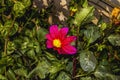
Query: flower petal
[(69, 49), (48, 36), (63, 32), (60, 51), (68, 40), (54, 31), (49, 44)]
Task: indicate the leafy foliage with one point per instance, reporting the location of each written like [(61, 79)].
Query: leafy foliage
[(88, 61), (23, 52)]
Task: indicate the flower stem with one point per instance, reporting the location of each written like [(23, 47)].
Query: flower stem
[(74, 58), (74, 67)]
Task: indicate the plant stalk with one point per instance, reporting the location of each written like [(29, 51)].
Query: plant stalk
[(74, 58)]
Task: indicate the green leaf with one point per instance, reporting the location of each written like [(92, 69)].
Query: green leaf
[(26, 3), (103, 72), (11, 75), (114, 39), (83, 15), (8, 29), (21, 72), (2, 69), (103, 26), (29, 33), (42, 69), (19, 9), (100, 47), (10, 47), (31, 54), (41, 34), (69, 67), (84, 3), (87, 61), (63, 76), (86, 78), (25, 42), (54, 69), (50, 56), (37, 47), (57, 66), (13, 29), (92, 34), (6, 61), (1, 28), (3, 77)]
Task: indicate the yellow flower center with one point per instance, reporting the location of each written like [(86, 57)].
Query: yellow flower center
[(57, 43)]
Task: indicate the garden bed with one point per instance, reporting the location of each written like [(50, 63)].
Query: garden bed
[(59, 40)]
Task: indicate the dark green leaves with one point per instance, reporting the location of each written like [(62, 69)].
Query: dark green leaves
[(56, 65), (21, 72), (9, 28), (103, 72), (19, 9), (87, 60), (26, 3), (92, 33), (114, 39), (11, 75), (42, 69), (23, 53), (10, 47), (63, 76), (41, 34)]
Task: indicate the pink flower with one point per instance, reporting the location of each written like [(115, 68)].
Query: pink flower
[(58, 40)]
